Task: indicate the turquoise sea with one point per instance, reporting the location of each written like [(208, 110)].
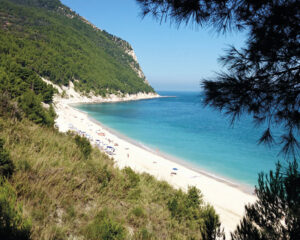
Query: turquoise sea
[(201, 136)]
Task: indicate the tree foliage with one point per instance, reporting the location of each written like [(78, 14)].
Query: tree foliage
[(276, 214), (263, 78), (22, 91), (190, 208), (53, 4), (31, 105), (16, 79)]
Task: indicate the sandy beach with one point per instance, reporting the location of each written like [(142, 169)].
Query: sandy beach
[(228, 199)]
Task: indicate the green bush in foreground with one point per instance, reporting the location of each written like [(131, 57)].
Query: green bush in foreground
[(84, 146), (190, 207), (105, 228), (6, 165), (12, 224), (276, 213)]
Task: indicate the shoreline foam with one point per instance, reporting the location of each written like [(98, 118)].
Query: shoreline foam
[(227, 199)]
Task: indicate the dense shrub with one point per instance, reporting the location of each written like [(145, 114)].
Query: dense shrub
[(9, 108), (15, 80), (6, 164), (138, 212), (31, 105), (105, 228), (133, 178), (276, 213), (212, 226), (144, 234), (190, 207), (12, 224), (84, 146), (186, 206), (104, 176)]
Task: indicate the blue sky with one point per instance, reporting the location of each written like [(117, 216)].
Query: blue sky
[(171, 58)]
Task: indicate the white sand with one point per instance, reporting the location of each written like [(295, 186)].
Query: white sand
[(228, 200)]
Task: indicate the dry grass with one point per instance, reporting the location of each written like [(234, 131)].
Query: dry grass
[(62, 193)]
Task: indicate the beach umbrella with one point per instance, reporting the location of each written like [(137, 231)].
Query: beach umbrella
[(175, 168)]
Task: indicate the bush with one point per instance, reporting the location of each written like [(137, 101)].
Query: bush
[(52, 112), (138, 212), (144, 234), (31, 105), (6, 165), (137, 216), (186, 206), (12, 224), (8, 107), (105, 228), (189, 207), (133, 178), (212, 228), (57, 233), (194, 197), (276, 213), (84, 146), (104, 176)]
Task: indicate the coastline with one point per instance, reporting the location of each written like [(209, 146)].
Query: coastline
[(227, 197), (241, 186)]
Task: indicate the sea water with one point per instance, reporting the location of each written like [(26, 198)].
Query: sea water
[(200, 136)]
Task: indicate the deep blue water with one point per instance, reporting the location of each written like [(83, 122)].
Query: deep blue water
[(182, 127)]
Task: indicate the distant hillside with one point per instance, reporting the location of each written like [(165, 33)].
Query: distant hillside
[(52, 41)]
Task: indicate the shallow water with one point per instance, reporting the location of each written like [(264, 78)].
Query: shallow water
[(182, 127)]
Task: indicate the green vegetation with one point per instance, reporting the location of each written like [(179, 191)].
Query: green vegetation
[(32, 108), (45, 38), (23, 86), (6, 165), (276, 213), (12, 224), (65, 194), (187, 207), (70, 190), (104, 227), (84, 145)]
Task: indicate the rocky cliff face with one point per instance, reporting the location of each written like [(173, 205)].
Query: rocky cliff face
[(130, 52), (136, 67)]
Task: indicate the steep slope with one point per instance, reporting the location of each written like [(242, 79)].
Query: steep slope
[(48, 38), (68, 189), (70, 193)]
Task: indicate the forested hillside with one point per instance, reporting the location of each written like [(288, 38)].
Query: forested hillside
[(46, 38)]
